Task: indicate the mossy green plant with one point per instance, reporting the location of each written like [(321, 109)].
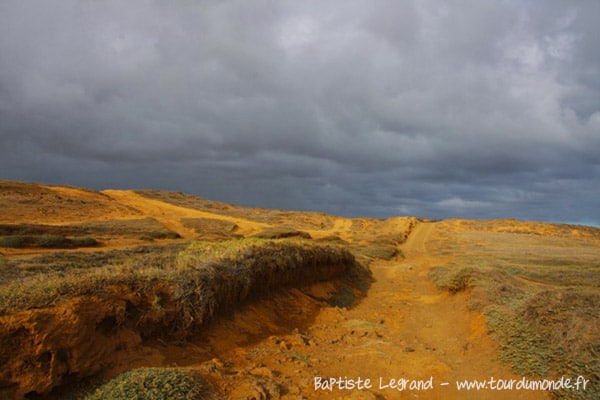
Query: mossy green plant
[(154, 384)]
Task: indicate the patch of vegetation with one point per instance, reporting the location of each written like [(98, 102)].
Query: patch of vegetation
[(452, 281), (300, 220), (58, 272), (240, 269), (13, 242), (281, 232), (539, 293), (55, 236), (206, 276), (46, 241), (185, 200), (160, 235), (543, 308), (142, 227), (343, 298), (211, 227), (76, 263), (381, 250), (38, 229), (333, 239), (553, 333), (154, 384)]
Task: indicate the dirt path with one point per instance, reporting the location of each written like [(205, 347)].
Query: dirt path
[(416, 241), (171, 215), (406, 328), (403, 329)]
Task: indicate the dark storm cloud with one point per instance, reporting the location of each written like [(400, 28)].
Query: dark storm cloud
[(438, 109)]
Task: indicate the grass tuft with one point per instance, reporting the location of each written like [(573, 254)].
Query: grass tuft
[(154, 384), (452, 281)]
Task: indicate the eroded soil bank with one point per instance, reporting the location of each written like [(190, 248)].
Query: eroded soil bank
[(121, 325)]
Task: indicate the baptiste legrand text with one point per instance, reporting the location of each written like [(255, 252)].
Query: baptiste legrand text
[(491, 383)]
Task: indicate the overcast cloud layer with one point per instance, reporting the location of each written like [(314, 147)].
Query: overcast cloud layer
[(477, 109)]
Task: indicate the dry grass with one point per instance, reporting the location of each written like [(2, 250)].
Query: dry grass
[(34, 203), (540, 294), (185, 200), (296, 219), (212, 229), (220, 275), (144, 228), (60, 264), (206, 275), (85, 234), (543, 331)]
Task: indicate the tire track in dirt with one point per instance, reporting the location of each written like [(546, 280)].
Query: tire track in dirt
[(416, 240)]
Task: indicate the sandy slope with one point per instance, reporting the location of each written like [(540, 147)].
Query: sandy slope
[(170, 215)]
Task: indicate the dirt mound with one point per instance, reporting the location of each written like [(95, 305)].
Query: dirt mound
[(34, 203)]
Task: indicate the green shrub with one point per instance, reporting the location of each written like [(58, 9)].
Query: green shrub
[(47, 241), (51, 241), (84, 241), (281, 232), (453, 282), (160, 235), (13, 242), (153, 384), (383, 251)]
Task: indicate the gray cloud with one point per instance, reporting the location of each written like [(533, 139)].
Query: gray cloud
[(437, 109)]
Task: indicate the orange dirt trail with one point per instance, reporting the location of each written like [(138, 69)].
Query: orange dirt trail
[(403, 328), (171, 215)]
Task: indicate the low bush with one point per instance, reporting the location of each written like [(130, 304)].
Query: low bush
[(84, 241), (382, 251), (281, 232), (154, 384), (51, 242), (46, 241), (160, 235), (210, 226), (452, 281), (13, 242)]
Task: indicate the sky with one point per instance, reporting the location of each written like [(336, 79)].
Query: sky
[(375, 108)]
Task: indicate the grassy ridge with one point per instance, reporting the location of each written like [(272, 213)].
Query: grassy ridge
[(226, 273), (205, 275)]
